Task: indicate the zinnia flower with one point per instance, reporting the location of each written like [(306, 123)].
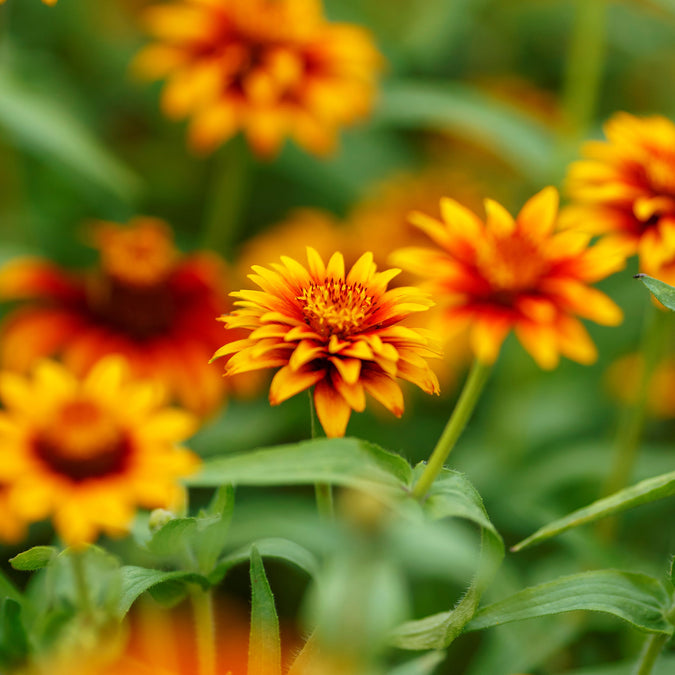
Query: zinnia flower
[(626, 185), (144, 301), (269, 68), (517, 274), (89, 452), (339, 332)]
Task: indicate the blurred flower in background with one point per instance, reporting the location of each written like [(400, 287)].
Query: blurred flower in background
[(145, 301), (626, 187), (520, 275), (89, 452), (339, 332), (269, 68)]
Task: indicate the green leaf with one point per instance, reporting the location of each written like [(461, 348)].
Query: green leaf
[(213, 528), (663, 292), (641, 493), (636, 598), (343, 461), (13, 640), (137, 580), (42, 125), (282, 549), (425, 665), (264, 655), (443, 106), (8, 590), (453, 495), (34, 558), (170, 540)]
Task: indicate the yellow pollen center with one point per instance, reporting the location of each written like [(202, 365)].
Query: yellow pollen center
[(513, 264), (335, 307)]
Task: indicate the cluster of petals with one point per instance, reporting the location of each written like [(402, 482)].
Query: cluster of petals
[(269, 68), (519, 274), (88, 452), (339, 332), (143, 300), (625, 187)]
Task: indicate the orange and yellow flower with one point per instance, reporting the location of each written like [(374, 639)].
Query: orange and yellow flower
[(144, 300), (269, 68), (515, 274), (339, 332), (626, 186), (88, 452)]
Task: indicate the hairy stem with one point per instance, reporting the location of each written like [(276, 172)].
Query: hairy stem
[(205, 629)]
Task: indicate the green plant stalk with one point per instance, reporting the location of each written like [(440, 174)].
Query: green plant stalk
[(227, 197), (650, 652), (205, 629), (81, 585), (585, 63), (322, 491), (461, 415), (632, 424)]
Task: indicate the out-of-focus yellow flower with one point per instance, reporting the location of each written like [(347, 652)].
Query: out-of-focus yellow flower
[(89, 452), (269, 68), (518, 274), (145, 301), (626, 186), (625, 375), (339, 332)]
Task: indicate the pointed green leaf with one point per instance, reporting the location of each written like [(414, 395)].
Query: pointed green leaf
[(34, 558), (213, 527), (453, 495), (425, 665), (636, 598), (170, 540), (137, 580), (663, 292), (641, 493), (264, 651), (343, 461), (282, 549)]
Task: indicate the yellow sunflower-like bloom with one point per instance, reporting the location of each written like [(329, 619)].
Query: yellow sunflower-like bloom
[(269, 68), (337, 331), (626, 185), (89, 452), (515, 274)]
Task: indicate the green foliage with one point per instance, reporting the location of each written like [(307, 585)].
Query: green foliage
[(425, 665), (13, 638), (664, 293), (34, 558), (636, 598)]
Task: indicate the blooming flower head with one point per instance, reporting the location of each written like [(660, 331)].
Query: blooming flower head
[(144, 300), (626, 185), (89, 452), (269, 68), (518, 274), (337, 331)]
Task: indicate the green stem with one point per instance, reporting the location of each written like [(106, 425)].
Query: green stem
[(458, 420), (653, 646), (322, 491), (585, 62), (227, 197), (205, 630), (80, 576)]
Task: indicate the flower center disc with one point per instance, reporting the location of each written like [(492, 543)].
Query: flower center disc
[(336, 308), (82, 442)]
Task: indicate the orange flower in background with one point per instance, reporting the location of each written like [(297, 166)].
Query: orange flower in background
[(269, 68), (338, 332), (626, 186), (145, 301), (515, 274), (89, 452)]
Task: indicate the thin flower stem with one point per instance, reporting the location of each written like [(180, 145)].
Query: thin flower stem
[(227, 197), (632, 423), (585, 62), (453, 429), (322, 491), (650, 652), (81, 585), (205, 629)]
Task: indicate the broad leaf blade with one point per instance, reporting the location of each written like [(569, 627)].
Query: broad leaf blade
[(34, 558), (264, 655), (343, 461), (663, 292), (636, 598), (643, 492)]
